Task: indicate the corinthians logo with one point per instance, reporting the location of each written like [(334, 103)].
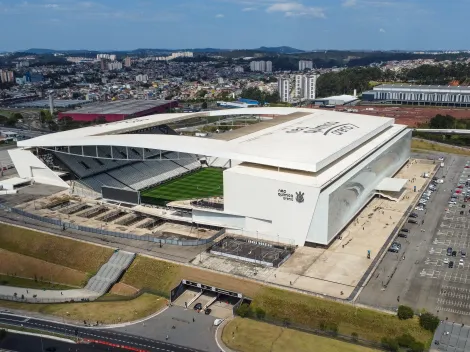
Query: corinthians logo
[(331, 127)]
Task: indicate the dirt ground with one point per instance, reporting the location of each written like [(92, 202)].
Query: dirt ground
[(123, 290), (15, 264), (412, 116)]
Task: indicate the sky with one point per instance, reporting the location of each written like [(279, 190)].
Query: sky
[(234, 24)]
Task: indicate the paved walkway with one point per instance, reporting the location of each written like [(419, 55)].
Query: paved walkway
[(98, 285)]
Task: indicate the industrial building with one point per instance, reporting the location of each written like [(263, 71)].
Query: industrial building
[(335, 100), (298, 178), (119, 110), (431, 95)]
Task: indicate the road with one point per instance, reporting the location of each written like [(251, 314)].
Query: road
[(93, 334), (27, 343)]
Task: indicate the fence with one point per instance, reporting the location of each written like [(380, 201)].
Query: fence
[(24, 299), (66, 225)]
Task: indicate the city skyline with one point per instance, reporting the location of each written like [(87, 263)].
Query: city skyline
[(232, 24)]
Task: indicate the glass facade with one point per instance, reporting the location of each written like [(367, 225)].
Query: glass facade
[(351, 196)]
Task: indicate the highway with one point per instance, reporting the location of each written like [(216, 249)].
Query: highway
[(95, 336)]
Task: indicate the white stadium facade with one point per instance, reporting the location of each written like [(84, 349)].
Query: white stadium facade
[(300, 177)]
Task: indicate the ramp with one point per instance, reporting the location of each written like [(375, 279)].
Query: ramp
[(110, 272)]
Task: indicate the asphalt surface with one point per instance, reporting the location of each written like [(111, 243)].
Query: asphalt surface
[(95, 334), (186, 326), (418, 276), (27, 343)]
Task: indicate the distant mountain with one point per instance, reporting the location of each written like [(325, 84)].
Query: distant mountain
[(263, 49), (52, 51), (278, 50)]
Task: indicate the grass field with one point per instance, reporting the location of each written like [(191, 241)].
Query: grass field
[(72, 254), (30, 283), (19, 265), (421, 145), (207, 182), (278, 304), (247, 335), (106, 312)]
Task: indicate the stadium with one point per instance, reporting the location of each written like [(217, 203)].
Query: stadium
[(298, 178)]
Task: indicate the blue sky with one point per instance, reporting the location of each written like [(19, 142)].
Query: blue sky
[(304, 24)]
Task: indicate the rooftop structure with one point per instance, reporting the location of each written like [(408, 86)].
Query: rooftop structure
[(435, 95), (119, 110)]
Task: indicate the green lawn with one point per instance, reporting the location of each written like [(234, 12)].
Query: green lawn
[(204, 183)]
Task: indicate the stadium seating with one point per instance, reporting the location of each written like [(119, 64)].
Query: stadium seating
[(144, 174)]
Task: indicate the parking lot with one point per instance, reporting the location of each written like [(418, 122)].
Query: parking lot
[(420, 274)]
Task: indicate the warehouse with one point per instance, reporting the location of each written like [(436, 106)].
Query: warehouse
[(426, 95), (119, 110)]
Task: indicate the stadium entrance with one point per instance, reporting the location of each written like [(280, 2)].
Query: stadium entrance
[(211, 300)]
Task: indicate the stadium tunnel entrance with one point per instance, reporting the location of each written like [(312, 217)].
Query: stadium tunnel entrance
[(206, 299)]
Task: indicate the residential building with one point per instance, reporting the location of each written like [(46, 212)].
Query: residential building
[(239, 69), (284, 89), (261, 66), (127, 62), (305, 64), (142, 78), (7, 76), (115, 65), (269, 66), (111, 57)]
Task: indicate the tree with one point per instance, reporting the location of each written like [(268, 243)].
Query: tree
[(417, 347), (442, 122), (260, 313), (204, 105), (390, 344), (405, 312), (405, 340), (429, 321), (244, 310)]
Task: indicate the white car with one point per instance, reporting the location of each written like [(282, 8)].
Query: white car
[(461, 262), (217, 322), (419, 208), (446, 260), (441, 159)]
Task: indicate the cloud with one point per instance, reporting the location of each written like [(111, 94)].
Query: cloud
[(381, 30), (220, 15), (51, 6), (349, 3), (247, 9), (292, 9)]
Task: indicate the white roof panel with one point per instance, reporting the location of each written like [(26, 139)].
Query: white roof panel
[(309, 143), (391, 184)]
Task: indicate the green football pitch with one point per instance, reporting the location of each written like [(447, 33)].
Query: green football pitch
[(204, 183)]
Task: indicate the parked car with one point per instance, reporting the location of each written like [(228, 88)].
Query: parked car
[(449, 251), (463, 253), (198, 306), (451, 264), (446, 260), (394, 249), (412, 221), (405, 230), (402, 235), (398, 244), (454, 253), (413, 215)]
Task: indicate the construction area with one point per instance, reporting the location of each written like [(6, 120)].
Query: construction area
[(115, 218)]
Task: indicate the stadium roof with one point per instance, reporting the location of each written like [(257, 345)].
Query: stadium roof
[(309, 143), (122, 107)]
